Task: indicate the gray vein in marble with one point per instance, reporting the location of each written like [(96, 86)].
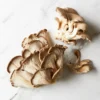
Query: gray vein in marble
[(8, 17), (13, 97)]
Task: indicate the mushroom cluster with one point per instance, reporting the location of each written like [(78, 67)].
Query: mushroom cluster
[(71, 26), (39, 64)]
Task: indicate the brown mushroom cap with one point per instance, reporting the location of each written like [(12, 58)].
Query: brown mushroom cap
[(69, 13), (43, 52), (79, 66), (71, 26), (42, 77), (56, 74), (36, 42), (34, 46), (54, 60), (83, 69), (26, 53), (49, 61), (59, 51), (42, 36), (20, 78), (84, 62), (14, 63), (69, 10), (32, 63), (55, 57)]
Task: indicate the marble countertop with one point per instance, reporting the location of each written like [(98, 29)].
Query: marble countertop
[(19, 18)]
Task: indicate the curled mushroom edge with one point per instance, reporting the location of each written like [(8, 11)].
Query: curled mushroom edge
[(70, 25), (80, 66)]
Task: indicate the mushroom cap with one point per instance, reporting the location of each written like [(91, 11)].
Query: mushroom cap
[(49, 61), (84, 69), (26, 53), (69, 13), (41, 36), (68, 10), (32, 63), (36, 42), (80, 66), (42, 77), (34, 46), (43, 52), (54, 60), (59, 51), (14, 64), (71, 26), (20, 78)]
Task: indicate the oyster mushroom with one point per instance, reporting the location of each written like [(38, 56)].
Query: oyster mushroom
[(26, 53), (71, 25), (54, 59), (80, 66), (32, 64), (39, 68), (49, 61), (35, 45), (50, 68), (59, 51), (20, 78), (42, 36), (14, 63), (42, 77), (36, 42), (43, 52), (40, 63)]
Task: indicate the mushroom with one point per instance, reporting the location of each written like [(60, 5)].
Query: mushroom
[(43, 52), (35, 42), (21, 78), (14, 63), (32, 64), (26, 53), (49, 61), (54, 59), (80, 66), (42, 77), (42, 36), (71, 25), (38, 68), (59, 51), (35, 45), (49, 66)]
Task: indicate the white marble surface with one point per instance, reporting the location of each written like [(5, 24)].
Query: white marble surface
[(19, 18)]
